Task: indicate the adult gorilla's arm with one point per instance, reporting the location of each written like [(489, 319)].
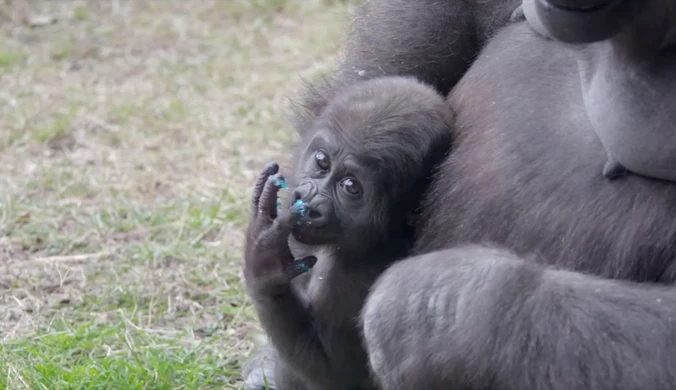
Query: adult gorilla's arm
[(480, 318), (432, 40)]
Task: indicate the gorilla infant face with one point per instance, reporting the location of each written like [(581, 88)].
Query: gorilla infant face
[(340, 192), (362, 166)]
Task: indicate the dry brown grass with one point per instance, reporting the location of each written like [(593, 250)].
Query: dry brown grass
[(130, 135)]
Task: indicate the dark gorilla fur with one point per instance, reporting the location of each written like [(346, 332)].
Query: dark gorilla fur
[(360, 172), (536, 119), (432, 40)]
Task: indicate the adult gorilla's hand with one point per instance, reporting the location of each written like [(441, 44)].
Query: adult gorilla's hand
[(480, 318)]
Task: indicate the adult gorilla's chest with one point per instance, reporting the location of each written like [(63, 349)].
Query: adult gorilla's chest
[(525, 171)]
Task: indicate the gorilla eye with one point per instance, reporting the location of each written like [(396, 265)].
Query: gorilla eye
[(322, 160), (352, 186)]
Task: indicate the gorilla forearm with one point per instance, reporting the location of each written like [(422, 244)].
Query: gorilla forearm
[(289, 325), (478, 318), (269, 269)]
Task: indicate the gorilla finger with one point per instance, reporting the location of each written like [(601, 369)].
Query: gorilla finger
[(270, 169), (299, 267), (272, 234), (277, 233), (289, 217), (267, 204)]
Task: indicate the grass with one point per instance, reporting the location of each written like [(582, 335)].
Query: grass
[(82, 358), (130, 137), (10, 59)]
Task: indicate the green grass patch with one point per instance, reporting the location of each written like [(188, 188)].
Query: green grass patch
[(11, 59), (65, 50), (80, 14), (123, 113), (58, 126), (117, 355)]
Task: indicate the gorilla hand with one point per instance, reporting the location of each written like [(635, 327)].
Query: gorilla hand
[(269, 264)]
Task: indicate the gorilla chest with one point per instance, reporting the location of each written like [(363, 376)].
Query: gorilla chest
[(525, 172), (334, 295), (564, 211)]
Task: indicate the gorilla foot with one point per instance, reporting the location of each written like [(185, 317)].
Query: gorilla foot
[(259, 371)]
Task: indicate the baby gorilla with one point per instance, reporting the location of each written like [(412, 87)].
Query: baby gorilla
[(359, 175)]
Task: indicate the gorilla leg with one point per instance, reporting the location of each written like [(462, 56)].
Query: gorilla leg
[(480, 318), (259, 371), (419, 329)]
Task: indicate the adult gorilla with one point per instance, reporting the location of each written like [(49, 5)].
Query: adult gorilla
[(536, 120)]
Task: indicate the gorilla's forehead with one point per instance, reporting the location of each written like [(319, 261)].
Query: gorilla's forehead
[(358, 123), (380, 106)]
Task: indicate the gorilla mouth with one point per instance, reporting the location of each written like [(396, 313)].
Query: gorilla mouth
[(585, 8), (311, 235), (572, 22)]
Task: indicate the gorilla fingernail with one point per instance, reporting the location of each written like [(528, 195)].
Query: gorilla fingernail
[(271, 167), (281, 183), (299, 267), (305, 264)]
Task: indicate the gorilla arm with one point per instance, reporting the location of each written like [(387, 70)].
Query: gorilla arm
[(269, 270), (289, 326), (432, 40), (481, 318)]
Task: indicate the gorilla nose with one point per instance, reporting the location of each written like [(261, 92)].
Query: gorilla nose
[(315, 214), (316, 208), (305, 192)]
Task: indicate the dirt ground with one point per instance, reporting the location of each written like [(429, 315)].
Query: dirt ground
[(130, 136)]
